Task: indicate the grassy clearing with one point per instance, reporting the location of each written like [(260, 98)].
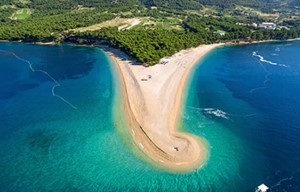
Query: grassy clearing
[(121, 23), (81, 7), (128, 13), (165, 23), (206, 11), (247, 11), (137, 23), (21, 14), (8, 7), (241, 11), (24, 1)]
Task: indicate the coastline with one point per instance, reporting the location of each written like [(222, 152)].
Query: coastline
[(159, 155), (225, 43), (33, 43), (152, 108), (263, 41)]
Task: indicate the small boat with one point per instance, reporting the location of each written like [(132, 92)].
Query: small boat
[(262, 188)]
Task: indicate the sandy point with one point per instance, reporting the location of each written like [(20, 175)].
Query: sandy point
[(152, 99)]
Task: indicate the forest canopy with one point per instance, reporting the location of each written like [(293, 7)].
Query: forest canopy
[(167, 26)]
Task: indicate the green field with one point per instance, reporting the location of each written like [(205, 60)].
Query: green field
[(21, 14), (160, 23)]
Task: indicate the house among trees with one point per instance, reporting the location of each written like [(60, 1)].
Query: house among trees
[(221, 33), (267, 26)]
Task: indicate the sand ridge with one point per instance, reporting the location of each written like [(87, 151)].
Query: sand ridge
[(151, 101)]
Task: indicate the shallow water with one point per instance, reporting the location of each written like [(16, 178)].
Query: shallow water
[(65, 140)]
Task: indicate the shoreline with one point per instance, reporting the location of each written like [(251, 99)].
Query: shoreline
[(92, 45), (152, 108), (160, 153), (32, 43), (263, 41)]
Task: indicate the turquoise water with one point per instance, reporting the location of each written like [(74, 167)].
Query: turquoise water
[(251, 93), (57, 130)]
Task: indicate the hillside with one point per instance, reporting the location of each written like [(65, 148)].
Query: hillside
[(59, 6), (146, 29), (197, 4)]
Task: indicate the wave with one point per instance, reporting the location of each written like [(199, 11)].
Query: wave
[(56, 84), (282, 183), (219, 113), (262, 59), (266, 80), (216, 112)]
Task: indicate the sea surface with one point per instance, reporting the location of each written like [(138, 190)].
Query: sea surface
[(61, 125)]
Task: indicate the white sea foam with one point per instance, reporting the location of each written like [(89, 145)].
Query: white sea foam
[(55, 83), (262, 59), (264, 86), (220, 113), (266, 80), (281, 181), (216, 112)]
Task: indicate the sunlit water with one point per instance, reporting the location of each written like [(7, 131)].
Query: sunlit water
[(58, 124)]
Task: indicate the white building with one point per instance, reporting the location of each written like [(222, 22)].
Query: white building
[(221, 33), (267, 25)]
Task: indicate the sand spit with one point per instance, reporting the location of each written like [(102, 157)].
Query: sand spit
[(151, 101)]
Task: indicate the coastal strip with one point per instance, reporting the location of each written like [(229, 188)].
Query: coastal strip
[(152, 100)]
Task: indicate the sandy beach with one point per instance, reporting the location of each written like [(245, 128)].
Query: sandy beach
[(151, 101)]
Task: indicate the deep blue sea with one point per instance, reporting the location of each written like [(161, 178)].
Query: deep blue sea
[(58, 107)]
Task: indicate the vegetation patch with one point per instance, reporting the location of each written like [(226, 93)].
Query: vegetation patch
[(24, 1), (7, 7), (21, 14), (81, 7), (121, 23), (145, 29), (167, 23), (247, 11)]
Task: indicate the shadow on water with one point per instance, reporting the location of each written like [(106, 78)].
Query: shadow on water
[(14, 88), (41, 140), (59, 64)]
